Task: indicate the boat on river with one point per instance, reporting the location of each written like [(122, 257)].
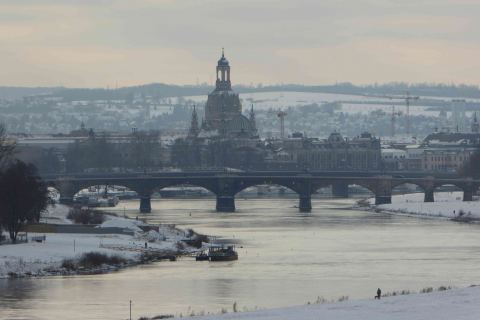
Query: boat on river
[(218, 253)]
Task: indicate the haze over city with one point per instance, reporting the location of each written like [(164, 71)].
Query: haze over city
[(256, 160), (109, 43)]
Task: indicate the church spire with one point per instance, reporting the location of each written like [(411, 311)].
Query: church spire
[(475, 124), (223, 74), (194, 130), (252, 120)]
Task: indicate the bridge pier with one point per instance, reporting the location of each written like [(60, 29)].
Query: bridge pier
[(145, 205), (429, 196), (340, 190), (68, 200), (305, 203), (468, 194), (385, 199), (225, 203)]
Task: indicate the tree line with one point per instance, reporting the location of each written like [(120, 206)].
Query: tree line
[(23, 195), (141, 151)]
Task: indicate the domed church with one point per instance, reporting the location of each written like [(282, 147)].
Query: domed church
[(225, 138), (223, 110)]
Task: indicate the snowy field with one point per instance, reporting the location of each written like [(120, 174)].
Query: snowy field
[(446, 205), (455, 304), (56, 214), (282, 100), (43, 258)]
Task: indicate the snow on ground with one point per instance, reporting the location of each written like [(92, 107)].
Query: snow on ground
[(447, 204), (116, 222), (285, 99), (458, 304), (33, 257), (56, 214)]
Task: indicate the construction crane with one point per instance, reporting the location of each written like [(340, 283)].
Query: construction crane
[(282, 114), (407, 97), (394, 115)]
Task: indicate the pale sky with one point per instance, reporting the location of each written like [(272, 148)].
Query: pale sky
[(100, 43)]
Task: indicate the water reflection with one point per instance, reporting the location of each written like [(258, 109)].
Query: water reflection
[(14, 293), (286, 258)]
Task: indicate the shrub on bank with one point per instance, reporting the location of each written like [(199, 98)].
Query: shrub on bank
[(86, 216), (162, 316), (91, 260), (96, 259), (196, 239)]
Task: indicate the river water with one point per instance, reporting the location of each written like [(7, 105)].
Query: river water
[(285, 258)]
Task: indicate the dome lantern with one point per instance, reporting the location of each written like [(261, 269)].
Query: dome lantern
[(223, 74)]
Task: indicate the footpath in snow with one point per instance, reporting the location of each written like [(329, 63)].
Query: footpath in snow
[(447, 205), (46, 258), (455, 304)]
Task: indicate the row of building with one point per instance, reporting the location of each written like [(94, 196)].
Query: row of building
[(225, 137), (439, 151)]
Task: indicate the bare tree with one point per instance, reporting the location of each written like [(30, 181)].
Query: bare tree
[(471, 168), (23, 197), (7, 146)]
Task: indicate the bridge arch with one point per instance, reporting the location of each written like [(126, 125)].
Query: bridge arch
[(272, 184), (209, 187), (106, 189), (362, 188), (456, 186), (298, 187), (417, 191), (244, 186), (467, 193), (341, 189), (407, 183), (366, 184), (163, 187), (266, 185)]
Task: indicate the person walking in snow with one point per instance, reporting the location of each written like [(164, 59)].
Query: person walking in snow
[(379, 294)]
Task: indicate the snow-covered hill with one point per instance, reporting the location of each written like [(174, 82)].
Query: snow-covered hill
[(457, 304)]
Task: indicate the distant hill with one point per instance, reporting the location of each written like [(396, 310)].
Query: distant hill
[(155, 89), (13, 93), (167, 90)]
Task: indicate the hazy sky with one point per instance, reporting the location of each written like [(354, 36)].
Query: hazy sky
[(88, 43)]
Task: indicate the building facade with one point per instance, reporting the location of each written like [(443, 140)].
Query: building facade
[(442, 151), (361, 153), (225, 137)]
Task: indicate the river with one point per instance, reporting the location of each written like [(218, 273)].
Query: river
[(285, 258)]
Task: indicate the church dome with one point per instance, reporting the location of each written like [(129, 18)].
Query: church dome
[(239, 124), (223, 62), (335, 137)]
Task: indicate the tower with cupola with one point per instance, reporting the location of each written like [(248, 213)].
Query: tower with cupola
[(223, 104)]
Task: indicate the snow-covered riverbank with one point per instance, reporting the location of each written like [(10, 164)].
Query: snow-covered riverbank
[(46, 258), (458, 304), (447, 205)]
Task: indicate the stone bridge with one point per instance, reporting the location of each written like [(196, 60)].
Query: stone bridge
[(225, 185)]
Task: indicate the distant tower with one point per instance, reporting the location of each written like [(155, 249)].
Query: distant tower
[(252, 120), (458, 114), (475, 124), (223, 74), (282, 114), (223, 104), (194, 129)]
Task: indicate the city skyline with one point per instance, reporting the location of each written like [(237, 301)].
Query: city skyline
[(121, 43)]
